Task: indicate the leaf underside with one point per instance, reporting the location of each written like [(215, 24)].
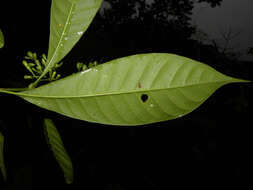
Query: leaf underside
[(69, 20), (2, 166), (134, 90), (57, 147)]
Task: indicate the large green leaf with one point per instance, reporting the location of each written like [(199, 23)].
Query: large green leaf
[(69, 20), (2, 166), (134, 90), (57, 147), (1, 39)]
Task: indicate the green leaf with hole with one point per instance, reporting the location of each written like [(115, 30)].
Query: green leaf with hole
[(1, 39), (54, 141), (134, 90), (2, 166), (69, 20)]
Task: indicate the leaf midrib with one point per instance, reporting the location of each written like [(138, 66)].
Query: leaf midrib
[(123, 92), (58, 45)]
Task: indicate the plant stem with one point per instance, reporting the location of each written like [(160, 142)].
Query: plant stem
[(14, 89)]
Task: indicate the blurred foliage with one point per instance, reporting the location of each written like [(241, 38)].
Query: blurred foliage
[(1, 39), (167, 12)]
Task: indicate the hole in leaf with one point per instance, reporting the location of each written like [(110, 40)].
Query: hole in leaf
[(144, 97)]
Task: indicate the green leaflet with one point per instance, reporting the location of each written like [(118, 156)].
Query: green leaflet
[(134, 90), (69, 20), (1, 39), (2, 166), (57, 147)]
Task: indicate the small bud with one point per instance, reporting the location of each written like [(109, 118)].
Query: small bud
[(27, 66), (30, 54), (91, 65), (58, 76), (84, 67), (35, 70), (58, 65), (25, 63), (31, 64), (34, 56), (44, 56), (53, 75), (38, 70), (79, 66), (28, 77), (38, 65), (43, 61)]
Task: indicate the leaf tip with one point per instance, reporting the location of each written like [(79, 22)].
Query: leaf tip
[(237, 80)]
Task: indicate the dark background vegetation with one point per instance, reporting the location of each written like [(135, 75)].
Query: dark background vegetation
[(210, 147)]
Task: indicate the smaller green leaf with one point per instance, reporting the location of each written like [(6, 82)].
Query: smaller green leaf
[(1, 39), (69, 21), (57, 147), (2, 166)]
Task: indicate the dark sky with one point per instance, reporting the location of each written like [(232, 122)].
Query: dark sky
[(234, 14)]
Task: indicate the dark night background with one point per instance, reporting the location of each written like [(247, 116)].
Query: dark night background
[(210, 147)]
